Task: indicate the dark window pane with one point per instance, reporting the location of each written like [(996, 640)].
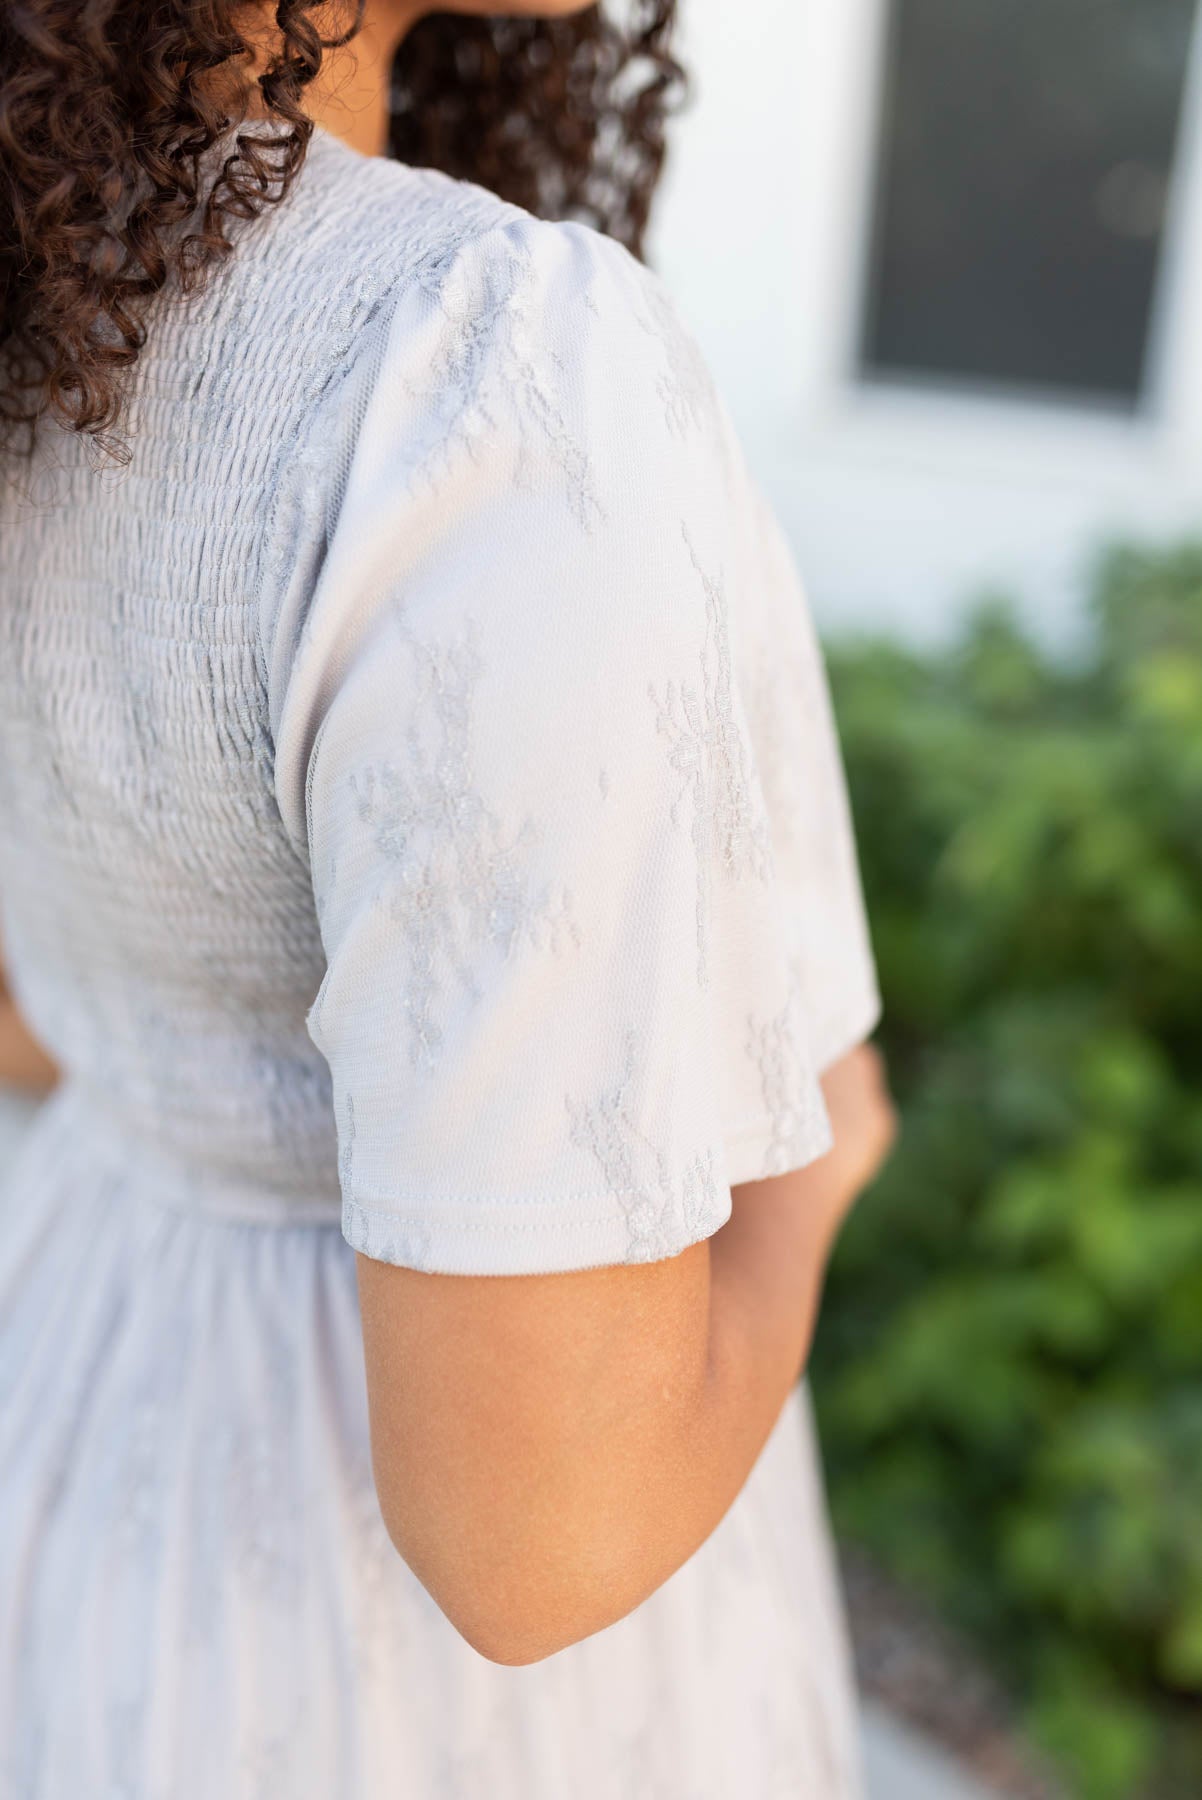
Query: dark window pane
[(1026, 151)]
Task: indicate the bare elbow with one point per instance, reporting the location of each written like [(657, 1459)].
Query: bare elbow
[(527, 1437), (513, 1611), (513, 1642), (513, 1633)]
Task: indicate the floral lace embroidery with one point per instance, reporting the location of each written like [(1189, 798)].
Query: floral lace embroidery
[(662, 1217), (346, 1147), (388, 1239), (375, 1562), (463, 880), (773, 703), (265, 1520), (710, 754), (269, 1756), (792, 1097), (487, 366), (405, 1242), (685, 385)]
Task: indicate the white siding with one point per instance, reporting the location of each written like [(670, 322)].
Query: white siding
[(901, 504)]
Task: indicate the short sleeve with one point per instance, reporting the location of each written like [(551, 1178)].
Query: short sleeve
[(552, 735)]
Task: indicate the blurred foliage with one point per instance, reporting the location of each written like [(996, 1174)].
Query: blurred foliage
[(1009, 1371)]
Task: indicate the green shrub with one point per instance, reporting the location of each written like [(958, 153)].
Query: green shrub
[(1009, 1370)]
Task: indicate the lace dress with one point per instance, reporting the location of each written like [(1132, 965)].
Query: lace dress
[(422, 833)]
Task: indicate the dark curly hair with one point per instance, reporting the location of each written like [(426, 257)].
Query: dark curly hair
[(108, 113)]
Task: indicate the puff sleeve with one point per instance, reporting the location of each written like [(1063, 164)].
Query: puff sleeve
[(551, 732)]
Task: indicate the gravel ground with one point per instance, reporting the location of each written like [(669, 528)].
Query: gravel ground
[(903, 1764), (925, 1676)]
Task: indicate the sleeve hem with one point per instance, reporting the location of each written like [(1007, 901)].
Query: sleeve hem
[(515, 1237), (759, 1151), (492, 1236), (854, 1025)]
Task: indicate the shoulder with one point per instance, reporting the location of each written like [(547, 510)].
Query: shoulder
[(549, 351), (526, 446), (601, 321), (523, 409), (561, 296), (469, 289), (348, 212), (369, 262), (419, 226), (359, 225)]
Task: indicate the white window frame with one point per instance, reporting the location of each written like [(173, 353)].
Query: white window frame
[(901, 499), (1170, 406)]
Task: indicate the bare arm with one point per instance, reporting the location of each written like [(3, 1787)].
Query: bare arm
[(549, 1449), (23, 1062)]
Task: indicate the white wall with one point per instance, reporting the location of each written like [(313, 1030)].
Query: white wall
[(901, 504)]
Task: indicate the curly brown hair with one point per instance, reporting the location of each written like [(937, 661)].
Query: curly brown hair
[(108, 113)]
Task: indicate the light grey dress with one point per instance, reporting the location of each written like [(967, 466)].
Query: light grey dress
[(421, 833)]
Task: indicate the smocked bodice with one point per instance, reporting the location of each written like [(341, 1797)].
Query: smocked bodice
[(158, 924)]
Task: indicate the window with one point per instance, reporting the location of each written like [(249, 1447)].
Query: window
[(1025, 155)]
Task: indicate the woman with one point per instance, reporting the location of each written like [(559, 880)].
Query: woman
[(420, 814)]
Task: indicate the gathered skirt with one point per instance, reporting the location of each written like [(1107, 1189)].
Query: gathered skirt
[(198, 1597)]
